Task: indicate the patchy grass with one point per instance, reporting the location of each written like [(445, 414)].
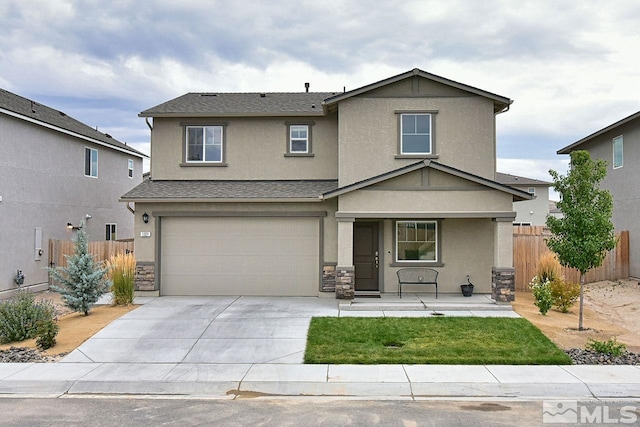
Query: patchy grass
[(450, 340)]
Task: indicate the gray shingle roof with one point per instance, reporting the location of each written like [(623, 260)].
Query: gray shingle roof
[(230, 104), (36, 111), (179, 190), (507, 179)]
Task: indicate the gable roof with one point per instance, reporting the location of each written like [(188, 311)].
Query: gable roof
[(569, 148), (197, 191), (195, 104), (501, 103), (518, 194), (34, 112), (507, 179)]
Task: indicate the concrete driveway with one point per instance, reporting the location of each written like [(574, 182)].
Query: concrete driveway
[(195, 330)]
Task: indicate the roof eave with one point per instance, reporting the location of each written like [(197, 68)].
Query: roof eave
[(569, 148), (220, 200), (319, 113)]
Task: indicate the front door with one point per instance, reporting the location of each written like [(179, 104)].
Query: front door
[(366, 256)]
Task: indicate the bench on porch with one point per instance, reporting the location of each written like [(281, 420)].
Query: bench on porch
[(417, 276)]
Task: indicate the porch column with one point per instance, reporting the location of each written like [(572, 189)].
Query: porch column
[(503, 285), (345, 271)]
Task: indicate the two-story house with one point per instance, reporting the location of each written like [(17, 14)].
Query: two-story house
[(54, 173), (619, 145), (528, 212), (305, 193)]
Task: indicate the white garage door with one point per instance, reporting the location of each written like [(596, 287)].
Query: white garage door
[(240, 256)]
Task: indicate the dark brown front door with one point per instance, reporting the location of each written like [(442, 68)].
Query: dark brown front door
[(365, 255)]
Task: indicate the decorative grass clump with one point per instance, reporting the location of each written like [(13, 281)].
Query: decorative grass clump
[(122, 272), (435, 340)]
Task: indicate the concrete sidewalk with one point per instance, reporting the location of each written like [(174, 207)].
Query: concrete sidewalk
[(279, 380), (227, 347)]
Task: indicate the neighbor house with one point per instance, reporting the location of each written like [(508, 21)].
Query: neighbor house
[(528, 212), (619, 145), (306, 193), (56, 171)]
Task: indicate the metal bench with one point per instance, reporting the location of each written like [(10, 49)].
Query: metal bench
[(417, 276)]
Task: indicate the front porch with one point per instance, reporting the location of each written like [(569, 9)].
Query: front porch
[(425, 305)]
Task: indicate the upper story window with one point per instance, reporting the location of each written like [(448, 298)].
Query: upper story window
[(299, 139), (130, 167), (531, 190), (204, 144), (618, 155), (90, 162), (415, 133)]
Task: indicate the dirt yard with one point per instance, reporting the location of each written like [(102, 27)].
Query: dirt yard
[(75, 328), (611, 310)]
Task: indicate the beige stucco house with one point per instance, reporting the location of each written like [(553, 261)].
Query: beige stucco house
[(532, 212), (619, 145), (54, 171), (314, 193)]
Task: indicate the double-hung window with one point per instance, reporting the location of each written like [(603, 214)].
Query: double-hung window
[(415, 133), (204, 144), (618, 154), (299, 139), (90, 162), (416, 241), (130, 167)]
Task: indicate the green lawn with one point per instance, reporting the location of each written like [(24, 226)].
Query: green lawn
[(432, 340)]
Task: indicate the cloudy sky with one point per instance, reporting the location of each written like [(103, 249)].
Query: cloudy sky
[(571, 66)]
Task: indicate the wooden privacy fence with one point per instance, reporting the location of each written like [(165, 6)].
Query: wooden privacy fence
[(100, 250), (529, 246)]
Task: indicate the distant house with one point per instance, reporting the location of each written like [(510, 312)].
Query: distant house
[(554, 210), (55, 171), (619, 145), (528, 212), (303, 193)]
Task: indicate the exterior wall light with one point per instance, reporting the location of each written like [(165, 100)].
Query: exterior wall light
[(145, 218), (73, 227)]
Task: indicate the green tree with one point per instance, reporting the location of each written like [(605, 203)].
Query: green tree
[(83, 281), (582, 237)]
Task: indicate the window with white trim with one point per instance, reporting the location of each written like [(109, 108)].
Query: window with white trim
[(415, 133), (531, 190), (416, 241), (204, 144), (90, 162), (110, 232), (299, 139), (618, 152), (130, 168)]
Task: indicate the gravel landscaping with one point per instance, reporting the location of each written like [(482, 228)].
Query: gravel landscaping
[(589, 357), (26, 355)]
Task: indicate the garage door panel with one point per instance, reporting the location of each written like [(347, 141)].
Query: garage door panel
[(240, 256)]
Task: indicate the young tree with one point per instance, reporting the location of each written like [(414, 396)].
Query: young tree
[(582, 237), (82, 281)]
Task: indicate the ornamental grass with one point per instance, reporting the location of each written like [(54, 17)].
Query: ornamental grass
[(122, 272)]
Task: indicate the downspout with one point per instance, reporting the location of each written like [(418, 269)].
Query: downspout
[(130, 209), (146, 119)]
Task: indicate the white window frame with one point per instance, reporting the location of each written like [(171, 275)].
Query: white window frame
[(204, 144), (531, 190), (293, 139), (130, 168), (435, 242), (621, 140), (93, 172), (402, 134), (110, 231)]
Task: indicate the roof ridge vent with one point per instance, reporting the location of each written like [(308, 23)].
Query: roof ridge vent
[(263, 95), (208, 94)]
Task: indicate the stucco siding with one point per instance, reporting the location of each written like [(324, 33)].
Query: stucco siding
[(623, 183), (42, 185), (255, 149), (425, 201), (466, 248), (463, 134), (533, 211)]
